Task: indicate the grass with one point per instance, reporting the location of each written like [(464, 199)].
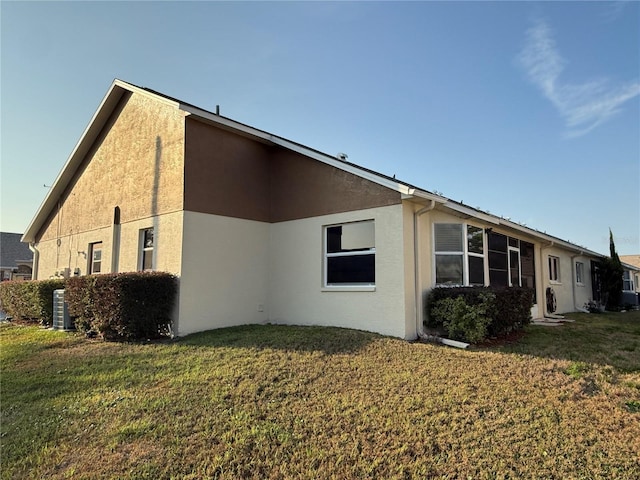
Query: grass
[(312, 402)]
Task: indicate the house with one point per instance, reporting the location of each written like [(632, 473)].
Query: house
[(631, 280), (16, 260), (263, 229)]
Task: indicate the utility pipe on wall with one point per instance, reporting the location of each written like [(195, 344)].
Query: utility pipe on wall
[(416, 270)]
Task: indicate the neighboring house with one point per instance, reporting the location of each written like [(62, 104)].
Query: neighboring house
[(16, 260), (263, 229), (631, 279)]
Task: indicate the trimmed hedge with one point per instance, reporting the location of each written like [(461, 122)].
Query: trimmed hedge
[(508, 309), (30, 300), (123, 306)]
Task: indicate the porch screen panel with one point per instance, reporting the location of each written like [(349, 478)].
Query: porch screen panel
[(498, 260), (528, 273)]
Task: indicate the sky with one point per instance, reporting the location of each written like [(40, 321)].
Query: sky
[(528, 110)]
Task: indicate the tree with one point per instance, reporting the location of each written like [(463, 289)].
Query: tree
[(611, 275)]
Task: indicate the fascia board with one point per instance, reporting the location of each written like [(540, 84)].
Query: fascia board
[(471, 212), (553, 241), (279, 141)]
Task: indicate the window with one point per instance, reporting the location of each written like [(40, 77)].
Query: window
[(475, 251), (580, 273), (146, 249), (458, 262), (554, 269), (514, 262), (350, 254), (499, 273), (627, 283), (95, 257), (449, 254)]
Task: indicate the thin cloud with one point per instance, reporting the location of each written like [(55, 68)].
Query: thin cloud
[(583, 107)]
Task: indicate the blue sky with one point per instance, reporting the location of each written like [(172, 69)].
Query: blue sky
[(527, 110)]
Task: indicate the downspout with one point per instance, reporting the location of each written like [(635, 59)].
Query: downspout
[(36, 260), (416, 270)]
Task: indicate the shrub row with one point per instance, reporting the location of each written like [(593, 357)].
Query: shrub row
[(123, 306), (31, 300), (474, 313)]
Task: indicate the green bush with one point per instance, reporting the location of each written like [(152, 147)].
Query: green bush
[(30, 300), (464, 321), (507, 309), (79, 295), (125, 306), (512, 310)]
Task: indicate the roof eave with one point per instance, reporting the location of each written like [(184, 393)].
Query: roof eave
[(271, 139)]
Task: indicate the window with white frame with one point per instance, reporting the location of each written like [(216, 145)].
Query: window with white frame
[(554, 269), (627, 282), (580, 273), (146, 249), (475, 255), (514, 262), (449, 252), (459, 254), (95, 257), (350, 254)]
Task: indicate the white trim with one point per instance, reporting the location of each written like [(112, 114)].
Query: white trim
[(348, 288), (516, 250)]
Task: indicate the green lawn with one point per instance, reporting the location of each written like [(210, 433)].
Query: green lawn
[(296, 402)]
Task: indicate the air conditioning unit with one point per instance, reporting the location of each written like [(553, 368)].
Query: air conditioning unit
[(61, 319)]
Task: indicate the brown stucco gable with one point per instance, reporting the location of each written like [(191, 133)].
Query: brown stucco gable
[(234, 175)]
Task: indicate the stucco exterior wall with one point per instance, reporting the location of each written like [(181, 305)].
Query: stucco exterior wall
[(224, 272), (410, 319), (73, 252), (136, 164), (570, 295), (296, 288), (583, 290), (235, 176)]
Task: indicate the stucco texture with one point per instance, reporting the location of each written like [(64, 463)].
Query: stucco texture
[(137, 164)]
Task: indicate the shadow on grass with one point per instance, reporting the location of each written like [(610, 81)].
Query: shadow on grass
[(611, 339), (329, 340)]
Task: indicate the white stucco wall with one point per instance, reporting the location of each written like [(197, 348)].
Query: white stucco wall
[(297, 295), (224, 272), (73, 251), (584, 290), (570, 296)]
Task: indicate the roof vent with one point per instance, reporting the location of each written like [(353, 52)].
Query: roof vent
[(342, 156)]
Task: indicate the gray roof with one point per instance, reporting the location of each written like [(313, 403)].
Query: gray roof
[(12, 250)]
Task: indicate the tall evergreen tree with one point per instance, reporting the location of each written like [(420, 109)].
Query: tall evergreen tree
[(612, 272)]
